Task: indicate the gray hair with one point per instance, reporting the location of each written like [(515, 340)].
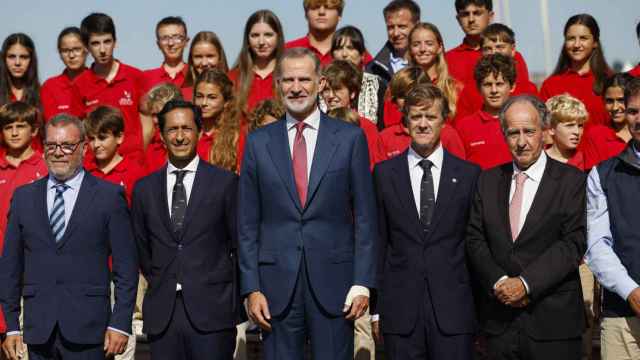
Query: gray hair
[(543, 113), (64, 120), (297, 53)]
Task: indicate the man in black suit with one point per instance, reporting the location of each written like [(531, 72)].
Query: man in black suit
[(525, 240), (424, 194), (184, 218)]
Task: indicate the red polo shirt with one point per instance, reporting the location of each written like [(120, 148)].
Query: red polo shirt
[(187, 93), (126, 173), (377, 151), (635, 71), (580, 86), (600, 143), (392, 114), (122, 92), (204, 145), (324, 59), (484, 143), (261, 88), (159, 75), (577, 160), (206, 141), (396, 140), (462, 60), (155, 156), (57, 96)]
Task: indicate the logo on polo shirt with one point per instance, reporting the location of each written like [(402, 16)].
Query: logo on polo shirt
[(89, 103), (3, 181), (126, 99), (476, 143), (63, 107)]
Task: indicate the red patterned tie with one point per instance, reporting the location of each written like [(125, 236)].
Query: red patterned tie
[(300, 162)]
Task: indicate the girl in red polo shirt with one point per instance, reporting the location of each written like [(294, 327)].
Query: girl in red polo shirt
[(19, 71), (581, 68), (252, 74), (222, 137), (206, 53), (426, 49)]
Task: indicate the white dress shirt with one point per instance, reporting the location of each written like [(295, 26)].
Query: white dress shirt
[(416, 172), (531, 184), (188, 179), (310, 133)]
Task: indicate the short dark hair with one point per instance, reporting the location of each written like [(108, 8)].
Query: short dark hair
[(331, 4), (97, 23), (171, 20), (71, 30), (632, 90), (397, 5), (104, 120), (462, 4), (343, 73), (495, 64), (297, 53), (179, 104), (424, 95), (499, 32), (353, 34), (18, 111)]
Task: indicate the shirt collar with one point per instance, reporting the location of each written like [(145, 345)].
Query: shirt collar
[(536, 170), (191, 167), (436, 157), (486, 117), (73, 183), (636, 151), (313, 120), (397, 60)]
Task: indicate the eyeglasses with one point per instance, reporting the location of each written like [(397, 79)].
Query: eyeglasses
[(66, 148), (178, 39), (76, 51)]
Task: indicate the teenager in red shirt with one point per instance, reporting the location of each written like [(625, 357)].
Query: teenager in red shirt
[(601, 142), (568, 116), (109, 81), (343, 81), (155, 155), (262, 44), (57, 94), (322, 17), (496, 39), (206, 53), (395, 138), (222, 140), (473, 17), (19, 71), (481, 133), (581, 69)]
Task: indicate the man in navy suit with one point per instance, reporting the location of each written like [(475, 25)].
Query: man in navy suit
[(307, 222), (60, 233), (424, 295), (184, 219)]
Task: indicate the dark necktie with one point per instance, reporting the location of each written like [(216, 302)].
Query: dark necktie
[(178, 201), (427, 194), (300, 163)]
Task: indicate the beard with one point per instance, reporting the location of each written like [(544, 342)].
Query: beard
[(297, 107)]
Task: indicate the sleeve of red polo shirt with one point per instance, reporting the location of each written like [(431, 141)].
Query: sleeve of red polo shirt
[(392, 115), (78, 100), (469, 102), (451, 141), (525, 87), (47, 99), (521, 67)]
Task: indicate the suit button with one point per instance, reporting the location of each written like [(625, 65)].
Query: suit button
[(179, 247)]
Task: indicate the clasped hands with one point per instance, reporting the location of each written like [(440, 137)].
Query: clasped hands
[(511, 292)]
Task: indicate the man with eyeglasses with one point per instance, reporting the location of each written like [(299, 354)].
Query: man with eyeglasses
[(60, 234), (171, 37)]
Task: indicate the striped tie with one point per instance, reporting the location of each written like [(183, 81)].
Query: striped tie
[(56, 219)]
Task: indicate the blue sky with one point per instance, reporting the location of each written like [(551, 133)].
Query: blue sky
[(136, 19)]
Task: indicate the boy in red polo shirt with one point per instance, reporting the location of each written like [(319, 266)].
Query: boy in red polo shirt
[(109, 81), (473, 17), (481, 133)]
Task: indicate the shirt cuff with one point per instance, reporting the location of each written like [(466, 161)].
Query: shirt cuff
[(11, 333), (375, 317), (526, 286), (496, 283), (625, 286), (356, 290), (119, 331)]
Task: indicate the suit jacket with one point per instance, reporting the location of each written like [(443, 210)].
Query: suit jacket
[(335, 229), (410, 259), (202, 258), (68, 283), (546, 253)]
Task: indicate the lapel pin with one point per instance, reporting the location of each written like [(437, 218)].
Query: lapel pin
[(454, 180)]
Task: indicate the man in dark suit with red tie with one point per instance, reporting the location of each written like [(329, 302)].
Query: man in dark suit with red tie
[(525, 240), (424, 295)]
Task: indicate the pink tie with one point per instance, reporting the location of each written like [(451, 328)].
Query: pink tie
[(516, 205), (300, 163)]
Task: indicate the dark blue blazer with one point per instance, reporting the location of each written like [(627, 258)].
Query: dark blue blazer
[(336, 228), (68, 283), (202, 258), (411, 259)]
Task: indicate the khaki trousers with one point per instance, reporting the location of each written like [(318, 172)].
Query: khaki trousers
[(620, 338), (364, 346)]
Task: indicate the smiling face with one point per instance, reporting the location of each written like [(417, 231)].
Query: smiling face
[(17, 60), (399, 26), (209, 98), (64, 150), (105, 145), (424, 47), (204, 56), (579, 43), (524, 134), (337, 97), (180, 135), (298, 86), (614, 104), (171, 40), (263, 40)]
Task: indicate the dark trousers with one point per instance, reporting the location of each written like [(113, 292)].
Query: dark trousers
[(58, 348), (515, 344), (427, 341), (331, 337), (182, 341)]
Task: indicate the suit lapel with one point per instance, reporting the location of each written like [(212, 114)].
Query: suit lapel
[(280, 154), (80, 208), (404, 192), (546, 190), (446, 190), (503, 198), (198, 193), (161, 186), (323, 153), (41, 204)]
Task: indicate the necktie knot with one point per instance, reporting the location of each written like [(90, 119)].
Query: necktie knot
[(521, 177), (60, 188), (300, 126), (179, 175), (425, 164)]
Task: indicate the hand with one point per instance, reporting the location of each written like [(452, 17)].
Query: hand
[(114, 343), (633, 299), (259, 310), (13, 347), (375, 331), (520, 304), (358, 307), (510, 290)]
